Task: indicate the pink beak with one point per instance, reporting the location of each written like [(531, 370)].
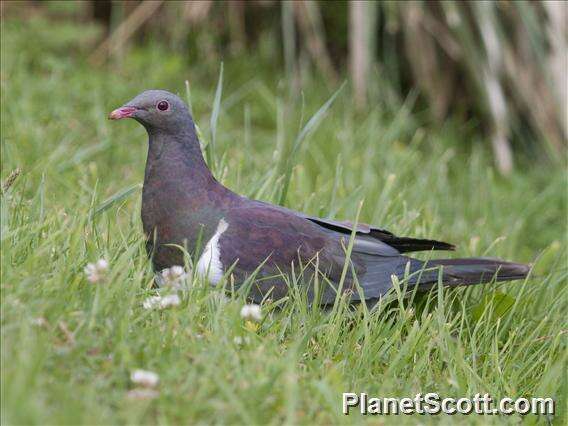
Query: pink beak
[(122, 112)]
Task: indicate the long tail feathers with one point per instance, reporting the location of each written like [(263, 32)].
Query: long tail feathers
[(479, 270)]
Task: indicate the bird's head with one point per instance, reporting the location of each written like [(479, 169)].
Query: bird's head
[(154, 109)]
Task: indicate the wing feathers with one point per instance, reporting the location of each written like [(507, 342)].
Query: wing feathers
[(402, 244)]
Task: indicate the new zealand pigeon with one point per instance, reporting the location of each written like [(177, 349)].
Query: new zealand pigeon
[(183, 205)]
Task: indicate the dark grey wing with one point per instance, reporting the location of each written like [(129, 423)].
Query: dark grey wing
[(401, 244), (364, 243), (269, 242)]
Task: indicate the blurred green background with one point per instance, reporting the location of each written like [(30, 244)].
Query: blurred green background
[(496, 68), (452, 125)]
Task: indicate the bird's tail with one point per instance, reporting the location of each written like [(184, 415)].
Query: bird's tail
[(478, 270)]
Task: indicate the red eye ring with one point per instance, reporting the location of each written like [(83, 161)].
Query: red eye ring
[(163, 106)]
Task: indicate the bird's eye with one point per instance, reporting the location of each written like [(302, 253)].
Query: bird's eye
[(163, 105)]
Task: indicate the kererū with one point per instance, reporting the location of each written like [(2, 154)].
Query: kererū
[(184, 205)]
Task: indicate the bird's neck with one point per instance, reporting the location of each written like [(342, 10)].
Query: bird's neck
[(177, 159)]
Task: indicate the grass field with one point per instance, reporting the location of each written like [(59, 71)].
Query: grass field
[(69, 346)]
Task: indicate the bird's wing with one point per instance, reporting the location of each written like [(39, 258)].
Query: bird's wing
[(278, 242), (402, 244), (368, 234)]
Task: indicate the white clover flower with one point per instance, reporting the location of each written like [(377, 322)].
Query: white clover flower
[(173, 277), (145, 378), (251, 312), (161, 302), (140, 394), (96, 272), (238, 340), (40, 322)]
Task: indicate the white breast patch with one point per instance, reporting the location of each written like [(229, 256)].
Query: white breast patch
[(209, 265)]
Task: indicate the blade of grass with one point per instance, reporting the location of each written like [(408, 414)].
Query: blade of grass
[(109, 202), (310, 126), (210, 148), (188, 96), (348, 252)]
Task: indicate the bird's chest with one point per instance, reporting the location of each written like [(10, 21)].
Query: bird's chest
[(172, 215)]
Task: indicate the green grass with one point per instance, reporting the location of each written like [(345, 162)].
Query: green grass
[(68, 346)]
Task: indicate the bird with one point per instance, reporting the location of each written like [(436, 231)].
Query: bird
[(184, 207)]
